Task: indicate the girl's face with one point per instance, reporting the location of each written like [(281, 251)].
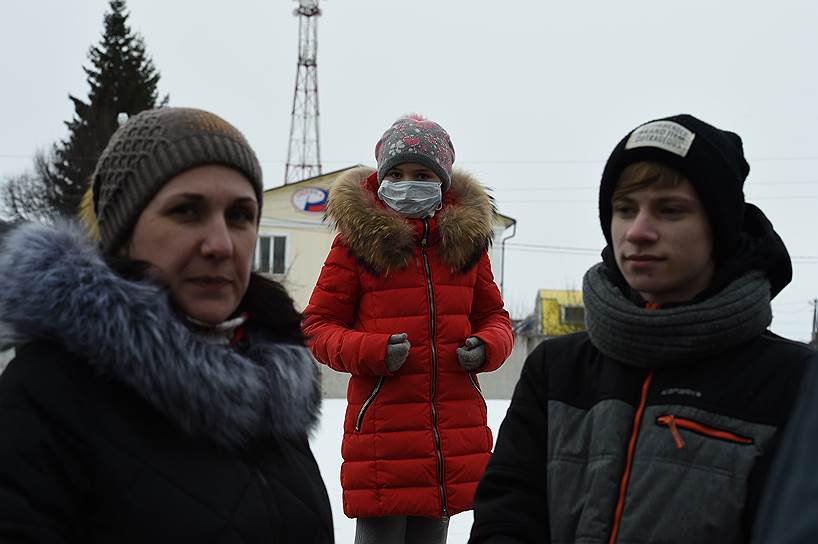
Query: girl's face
[(198, 234), (410, 171)]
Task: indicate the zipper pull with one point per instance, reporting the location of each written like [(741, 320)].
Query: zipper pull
[(677, 436)]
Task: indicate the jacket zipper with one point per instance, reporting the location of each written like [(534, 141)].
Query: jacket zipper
[(433, 332), (251, 459), (626, 474), (367, 402), (473, 381), (675, 423)]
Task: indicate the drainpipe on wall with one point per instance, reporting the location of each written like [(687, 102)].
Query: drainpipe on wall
[(503, 255)]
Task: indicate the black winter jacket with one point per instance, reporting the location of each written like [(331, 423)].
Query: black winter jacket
[(556, 471), (593, 447), (120, 425)]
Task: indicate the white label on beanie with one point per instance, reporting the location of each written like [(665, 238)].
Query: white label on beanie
[(665, 135)]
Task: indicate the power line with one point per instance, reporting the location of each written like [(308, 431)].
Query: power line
[(595, 187), (575, 250), (597, 161), (485, 161), (790, 312), (792, 302), (552, 249), (593, 201)]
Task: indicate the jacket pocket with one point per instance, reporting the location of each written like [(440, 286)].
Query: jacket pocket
[(675, 423), (473, 381), (369, 400)]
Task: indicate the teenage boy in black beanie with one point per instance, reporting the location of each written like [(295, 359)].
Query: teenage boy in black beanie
[(658, 424)]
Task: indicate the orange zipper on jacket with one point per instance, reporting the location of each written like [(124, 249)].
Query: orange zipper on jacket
[(626, 474), (675, 423)]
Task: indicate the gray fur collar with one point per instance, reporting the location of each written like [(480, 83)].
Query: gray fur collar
[(384, 240), (57, 286)]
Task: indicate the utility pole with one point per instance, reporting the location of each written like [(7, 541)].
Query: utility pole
[(304, 150), (814, 321)]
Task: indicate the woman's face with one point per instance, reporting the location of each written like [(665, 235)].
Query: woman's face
[(198, 233)]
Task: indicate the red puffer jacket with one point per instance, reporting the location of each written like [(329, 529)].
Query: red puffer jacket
[(415, 441)]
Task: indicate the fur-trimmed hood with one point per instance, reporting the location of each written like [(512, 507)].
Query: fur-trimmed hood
[(384, 240), (58, 287)]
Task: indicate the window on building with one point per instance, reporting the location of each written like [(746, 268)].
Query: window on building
[(270, 256), (572, 315)]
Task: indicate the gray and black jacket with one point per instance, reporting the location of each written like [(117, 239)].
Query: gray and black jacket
[(663, 436)]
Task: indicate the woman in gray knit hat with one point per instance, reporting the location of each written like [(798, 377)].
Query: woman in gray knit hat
[(161, 391)]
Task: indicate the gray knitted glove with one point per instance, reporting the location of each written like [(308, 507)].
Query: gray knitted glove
[(397, 348), (472, 354)]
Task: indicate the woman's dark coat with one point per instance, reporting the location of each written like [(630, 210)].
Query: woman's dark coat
[(120, 425)]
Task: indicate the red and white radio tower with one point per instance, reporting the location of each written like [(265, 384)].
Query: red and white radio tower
[(304, 151)]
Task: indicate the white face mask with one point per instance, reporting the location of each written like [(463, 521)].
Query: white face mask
[(412, 198)]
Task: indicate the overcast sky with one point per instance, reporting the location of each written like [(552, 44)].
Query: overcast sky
[(535, 94)]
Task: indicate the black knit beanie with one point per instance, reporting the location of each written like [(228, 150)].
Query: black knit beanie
[(151, 148), (712, 159)]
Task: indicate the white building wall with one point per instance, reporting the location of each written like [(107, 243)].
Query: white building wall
[(308, 238), (308, 243)]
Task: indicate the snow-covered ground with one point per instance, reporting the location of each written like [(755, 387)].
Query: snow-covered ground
[(326, 444)]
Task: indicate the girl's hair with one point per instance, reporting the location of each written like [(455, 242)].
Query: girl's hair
[(270, 307), (639, 175)]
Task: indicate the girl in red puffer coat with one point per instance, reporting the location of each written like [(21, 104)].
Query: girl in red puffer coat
[(407, 304)]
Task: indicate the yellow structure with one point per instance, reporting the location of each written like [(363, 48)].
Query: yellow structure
[(559, 312), (294, 240)]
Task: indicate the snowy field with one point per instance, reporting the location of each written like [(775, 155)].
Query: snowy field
[(326, 444)]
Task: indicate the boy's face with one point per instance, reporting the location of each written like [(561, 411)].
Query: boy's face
[(663, 242)]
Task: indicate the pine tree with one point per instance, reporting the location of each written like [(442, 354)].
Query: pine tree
[(122, 79)]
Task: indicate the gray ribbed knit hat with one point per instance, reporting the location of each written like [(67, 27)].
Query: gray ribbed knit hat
[(151, 148)]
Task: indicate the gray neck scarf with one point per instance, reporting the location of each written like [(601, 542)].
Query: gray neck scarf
[(671, 337)]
